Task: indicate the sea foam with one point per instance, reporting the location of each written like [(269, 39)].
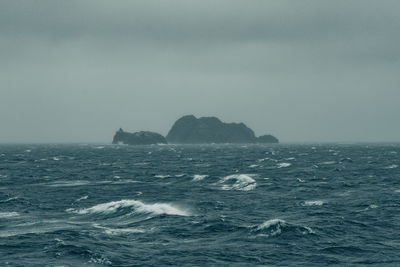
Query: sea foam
[(135, 205)]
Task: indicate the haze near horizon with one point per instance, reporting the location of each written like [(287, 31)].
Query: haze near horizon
[(304, 71)]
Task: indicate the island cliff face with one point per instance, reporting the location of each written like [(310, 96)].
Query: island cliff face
[(206, 130), (138, 138), (192, 130)]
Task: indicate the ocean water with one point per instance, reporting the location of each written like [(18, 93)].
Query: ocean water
[(212, 205)]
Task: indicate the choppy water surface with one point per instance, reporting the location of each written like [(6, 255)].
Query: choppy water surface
[(304, 205)]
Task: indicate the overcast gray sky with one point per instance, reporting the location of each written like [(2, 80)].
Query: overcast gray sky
[(77, 70)]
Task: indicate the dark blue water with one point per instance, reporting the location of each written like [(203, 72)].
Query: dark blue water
[(287, 205)]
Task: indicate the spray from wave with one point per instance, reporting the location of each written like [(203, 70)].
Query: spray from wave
[(135, 206)]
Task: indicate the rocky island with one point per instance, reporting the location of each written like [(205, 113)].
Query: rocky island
[(192, 130), (138, 138)]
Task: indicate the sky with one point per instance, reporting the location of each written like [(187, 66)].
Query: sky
[(304, 71)]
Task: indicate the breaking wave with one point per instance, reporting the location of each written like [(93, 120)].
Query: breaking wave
[(243, 182), (277, 227), (134, 206)]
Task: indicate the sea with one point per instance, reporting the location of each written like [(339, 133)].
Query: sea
[(200, 205)]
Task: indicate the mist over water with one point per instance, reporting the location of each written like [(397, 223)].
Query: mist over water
[(110, 205)]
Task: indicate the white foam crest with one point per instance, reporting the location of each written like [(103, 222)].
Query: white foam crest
[(314, 203), (275, 226), (328, 162), (119, 231), (244, 182), (8, 214), (9, 199), (82, 198), (162, 176), (137, 206), (393, 166), (253, 166), (269, 223), (68, 183), (199, 177), (284, 165)]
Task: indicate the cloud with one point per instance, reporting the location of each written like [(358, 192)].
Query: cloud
[(299, 69)]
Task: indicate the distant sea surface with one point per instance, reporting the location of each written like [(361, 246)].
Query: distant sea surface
[(211, 205)]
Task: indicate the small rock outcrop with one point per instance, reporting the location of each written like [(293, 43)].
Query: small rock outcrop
[(206, 130), (267, 139), (138, 138)]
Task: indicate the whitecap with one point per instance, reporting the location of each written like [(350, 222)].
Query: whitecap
[(68, 183), (300, 180), (8, 214), (313, 203), (119, 231), (276, 226), (284, 165), (269, 223), (393, 166), (179, 175), (328, 162), (141, 164), (82, 198), (162, 176), (135, 205), (9, 199), (243, 182), (117, 177), (253, 166), (56, 158), (199, 177)]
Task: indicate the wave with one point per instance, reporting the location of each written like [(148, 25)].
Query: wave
[(8, 214), (119, 231), (162, 176), (277, 227), (313, 203), (82, 198), (284, 165), (68, 183), (198, 177), (243, 182), (135, 206), (328, 162), (394, 166), (9, 199)]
